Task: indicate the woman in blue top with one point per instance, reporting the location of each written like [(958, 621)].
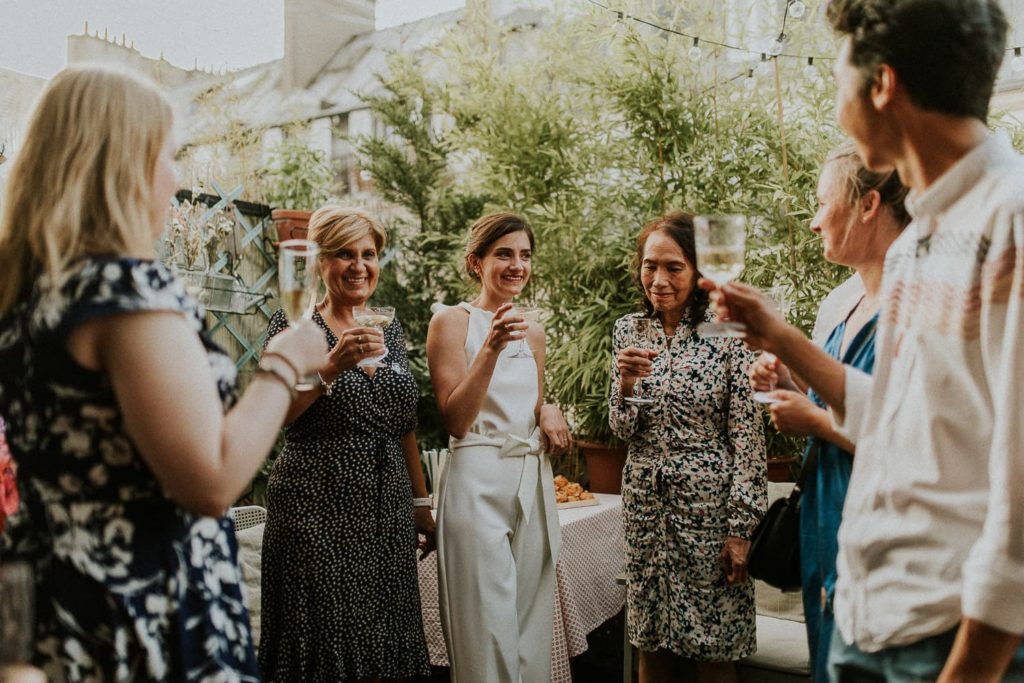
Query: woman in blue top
[(860, 213)]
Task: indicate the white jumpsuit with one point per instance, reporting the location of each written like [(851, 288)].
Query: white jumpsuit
[(497, 531)]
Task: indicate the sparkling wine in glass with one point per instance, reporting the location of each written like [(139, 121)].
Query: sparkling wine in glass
[(780, 297), (297, 279), (378, 317), (720, 241), (645, 330), (530, 314)]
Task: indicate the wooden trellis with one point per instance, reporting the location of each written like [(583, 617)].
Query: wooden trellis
[(251, 261)]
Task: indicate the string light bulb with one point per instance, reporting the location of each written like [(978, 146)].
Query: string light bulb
[(764, 67), (810, 71), (797, 9), (1017, 63), (775, 49), (695, 53), (749, 82)]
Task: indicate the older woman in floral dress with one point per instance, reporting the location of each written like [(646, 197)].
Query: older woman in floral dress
[(694, 486)]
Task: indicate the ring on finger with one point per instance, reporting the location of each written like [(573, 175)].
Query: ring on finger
[(360, 348)]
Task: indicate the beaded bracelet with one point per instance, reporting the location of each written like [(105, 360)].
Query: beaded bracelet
[(287, 361), (277, 374)]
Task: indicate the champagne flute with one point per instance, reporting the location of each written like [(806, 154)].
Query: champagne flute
[(645, 331), (780, 297), (378, 317), (530, 314), (297, 279), (720, 241)]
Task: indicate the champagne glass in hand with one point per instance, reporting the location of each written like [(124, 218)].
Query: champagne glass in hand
[(378, 317), (297, 280), (780, 297), (530, 314), (720, 242), (645, 332)]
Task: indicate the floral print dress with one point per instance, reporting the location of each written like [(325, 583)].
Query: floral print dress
[(130, 587), (695, 474)]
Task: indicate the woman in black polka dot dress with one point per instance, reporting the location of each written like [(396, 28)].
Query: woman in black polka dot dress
[(340, 595)]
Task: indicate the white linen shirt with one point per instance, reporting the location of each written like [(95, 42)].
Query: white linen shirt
[(933, 525)]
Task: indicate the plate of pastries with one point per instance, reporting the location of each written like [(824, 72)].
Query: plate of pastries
[(569, 494)]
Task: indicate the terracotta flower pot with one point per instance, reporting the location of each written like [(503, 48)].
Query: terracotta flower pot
[(781, 469), (604, 466), (291, 224)]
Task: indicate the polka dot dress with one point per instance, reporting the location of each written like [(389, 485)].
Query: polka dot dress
[(340, 596)]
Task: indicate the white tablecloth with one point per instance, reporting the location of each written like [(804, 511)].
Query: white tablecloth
[(586, 594)]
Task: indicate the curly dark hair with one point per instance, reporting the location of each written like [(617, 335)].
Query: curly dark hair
[(679, 226), (946, 52)]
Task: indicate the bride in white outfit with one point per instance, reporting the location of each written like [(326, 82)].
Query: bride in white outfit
[(497, 526)]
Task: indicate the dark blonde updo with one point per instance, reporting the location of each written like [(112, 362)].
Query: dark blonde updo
[(489, 229), (858, 180)]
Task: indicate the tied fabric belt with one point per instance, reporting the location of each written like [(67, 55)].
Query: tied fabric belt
[(512, 446)]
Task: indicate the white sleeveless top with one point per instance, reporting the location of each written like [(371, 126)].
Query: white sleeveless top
[(512, 395)]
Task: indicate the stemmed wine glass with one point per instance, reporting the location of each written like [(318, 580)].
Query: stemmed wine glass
[(378, 317), (530, 314), (645, 333), (720, 241), (297, 278), (780, 297)]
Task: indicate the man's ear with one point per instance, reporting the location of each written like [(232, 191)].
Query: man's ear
[(884, 87)]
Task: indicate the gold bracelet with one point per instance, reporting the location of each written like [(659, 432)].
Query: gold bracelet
[(276, 374), (287, 361)]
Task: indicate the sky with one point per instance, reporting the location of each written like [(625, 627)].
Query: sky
[(213, 34)]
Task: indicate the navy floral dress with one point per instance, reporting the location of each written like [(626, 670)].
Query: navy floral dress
[(695, 474), (130, 587)]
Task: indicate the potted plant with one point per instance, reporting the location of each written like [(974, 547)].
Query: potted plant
[(194, 240), (586, 302), (300, 180)]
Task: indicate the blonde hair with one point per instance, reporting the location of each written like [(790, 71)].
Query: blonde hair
[(489, 229), (335, 227), (82, 183)]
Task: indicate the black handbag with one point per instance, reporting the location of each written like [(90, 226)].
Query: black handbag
[(775, 545)]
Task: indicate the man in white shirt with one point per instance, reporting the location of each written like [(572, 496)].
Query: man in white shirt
[(931, 560)]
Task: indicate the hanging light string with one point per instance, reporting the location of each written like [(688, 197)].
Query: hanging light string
[(796, 8), (698, 40)]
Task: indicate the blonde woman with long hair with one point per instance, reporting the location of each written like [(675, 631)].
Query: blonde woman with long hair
[(129, 436)]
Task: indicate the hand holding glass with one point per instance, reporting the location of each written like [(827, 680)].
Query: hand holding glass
[(645, 332), (720, 242), (530, 314), (297, 279), (780, 297), (378, 317)]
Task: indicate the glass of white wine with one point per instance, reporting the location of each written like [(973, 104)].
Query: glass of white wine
[(378, 317), (780, 297), (645, 333), (530, 314), (297, 279), (720, 243)]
